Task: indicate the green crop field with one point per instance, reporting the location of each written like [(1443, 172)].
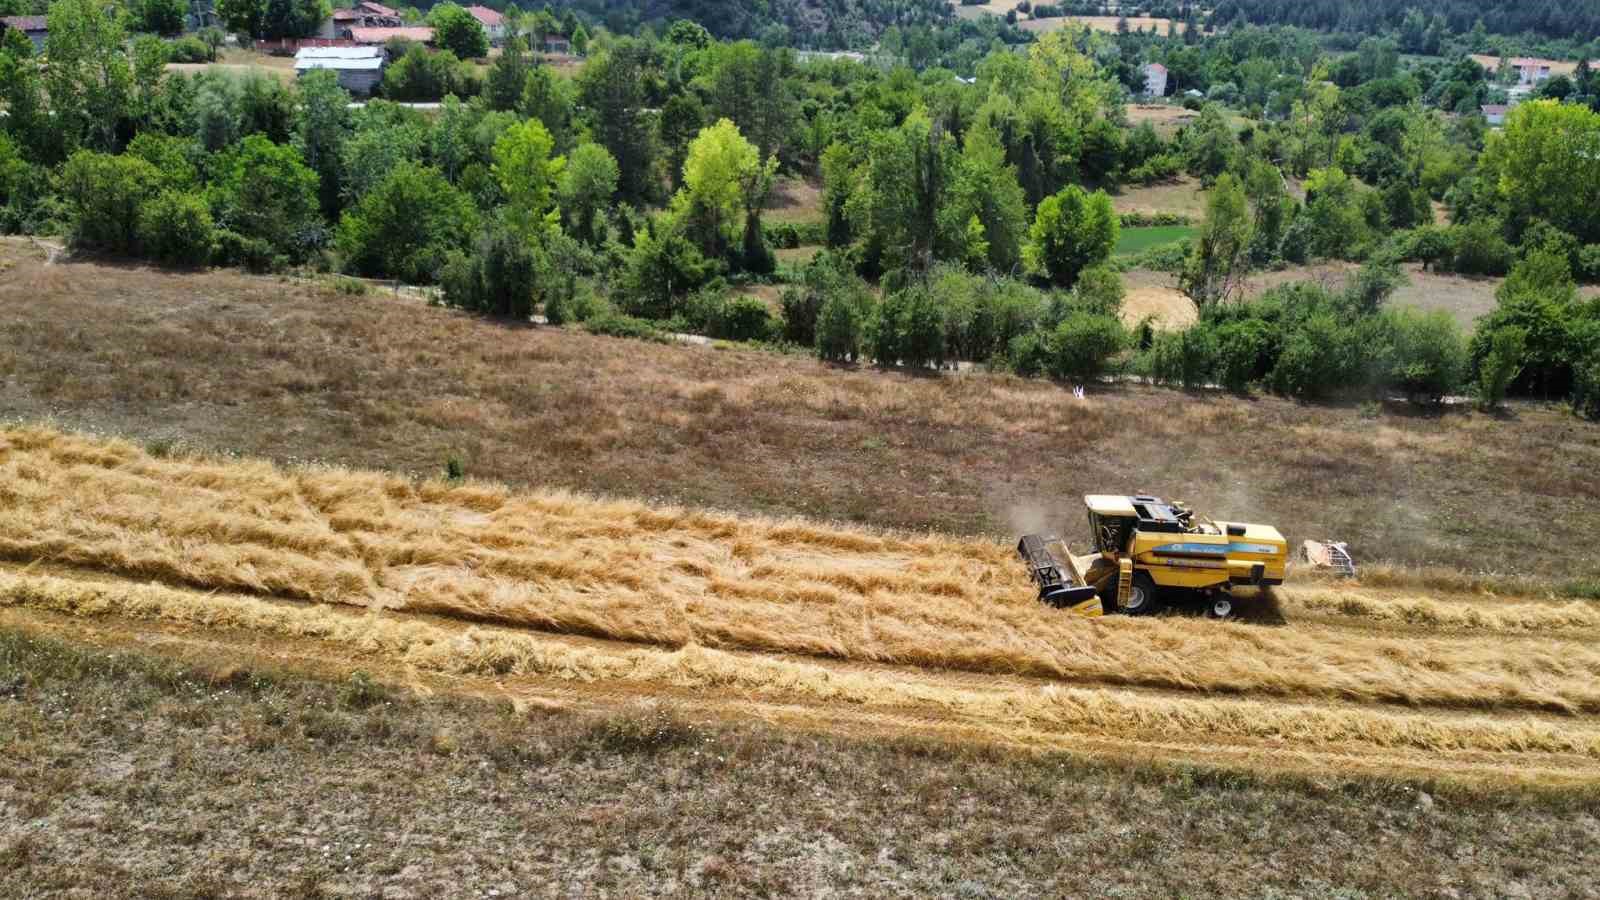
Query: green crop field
[(1138, 240)]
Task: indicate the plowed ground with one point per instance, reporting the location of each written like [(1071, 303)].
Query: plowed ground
[(554, 597)]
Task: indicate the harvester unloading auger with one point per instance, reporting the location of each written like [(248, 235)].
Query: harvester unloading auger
[(1148, 552)]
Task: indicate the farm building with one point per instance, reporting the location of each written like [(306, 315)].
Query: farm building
[(555, 43), (32, 26), (360, 69), (1155, 80), (341, 22), (494, 24)]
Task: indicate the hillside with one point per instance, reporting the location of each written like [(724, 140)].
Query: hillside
[(824, 24), (1566, 19)]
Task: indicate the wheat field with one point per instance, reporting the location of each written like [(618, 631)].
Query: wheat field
[(476, 578)]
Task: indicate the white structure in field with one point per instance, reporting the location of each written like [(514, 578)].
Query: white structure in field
[(359, 68), (1155, 80)]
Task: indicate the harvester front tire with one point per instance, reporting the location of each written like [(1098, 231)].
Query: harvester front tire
[(1142, 599)]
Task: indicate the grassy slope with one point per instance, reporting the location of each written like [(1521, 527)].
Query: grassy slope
[(229, 777), (1138, 240), (285, 371)]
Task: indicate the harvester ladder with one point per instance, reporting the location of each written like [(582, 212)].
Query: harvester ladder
[(1339, 559), (1124, 581)]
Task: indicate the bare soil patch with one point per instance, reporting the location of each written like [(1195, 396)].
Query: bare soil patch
[(794, 200)]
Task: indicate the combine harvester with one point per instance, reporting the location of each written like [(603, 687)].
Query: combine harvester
[(1149, 552)]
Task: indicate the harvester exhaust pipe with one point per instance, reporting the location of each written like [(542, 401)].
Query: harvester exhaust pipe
[(1058, 585)]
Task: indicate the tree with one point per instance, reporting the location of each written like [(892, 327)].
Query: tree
[(103, 194), (163, 17), (751, 87), (406, 226), (1083, 344), (611, 87), (508, 76), (838, 329), (1071, 231), (272, 19), (262, 190), (324, 125), (580, 40), (499, 276), (1427, 355), (1500, 366), (1219, 258), (527, 173), (718, 161), (905, 184), (681, 120), (586, 187), (985, 188), (89, 79), (456, 30), (176, 228), (549, 99), (1545, 167)]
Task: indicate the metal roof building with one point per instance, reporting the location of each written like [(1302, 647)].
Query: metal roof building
[(360, 68)]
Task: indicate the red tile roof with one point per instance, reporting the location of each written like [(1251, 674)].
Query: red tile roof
[(487, 16), (378, 8)]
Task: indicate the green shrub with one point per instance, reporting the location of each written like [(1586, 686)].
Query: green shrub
[(1082, 345), (579, 306), (1241, 353), (1586, 384), (744, 319), (104, 194), (1028, 354), (498, 277), (1589, 263), (909, 329), (838, 329), (1316, 360), (188, 49), (615, 324), (1480, 249), (254, 254), (175, 228), (1500, 367), (1427, 353)]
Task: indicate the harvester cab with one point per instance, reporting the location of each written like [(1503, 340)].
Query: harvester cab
[(1148, 552)]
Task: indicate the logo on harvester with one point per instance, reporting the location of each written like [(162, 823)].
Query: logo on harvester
[(1212, 549)]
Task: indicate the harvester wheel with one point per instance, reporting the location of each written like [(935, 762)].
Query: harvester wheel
[(1141, 599), (1220, 606)]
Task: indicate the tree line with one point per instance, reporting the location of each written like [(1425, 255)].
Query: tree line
[(964, 219)]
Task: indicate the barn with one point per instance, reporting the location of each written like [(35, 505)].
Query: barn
[(360, 68)]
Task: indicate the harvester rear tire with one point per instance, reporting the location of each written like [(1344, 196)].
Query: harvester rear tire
[(1142, 599)]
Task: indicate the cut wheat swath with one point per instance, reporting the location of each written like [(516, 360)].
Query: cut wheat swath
[(677, 577)]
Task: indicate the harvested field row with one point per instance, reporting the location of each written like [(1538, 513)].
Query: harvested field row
[(1010, 711), (1507, 616), (673, 577)]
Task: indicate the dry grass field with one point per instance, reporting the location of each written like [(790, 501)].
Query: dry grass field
[(711, 620), (715, 601), (1183, 196), (191, 776), (240, 62), (1107, 24), (385, 382), (1464, 297)]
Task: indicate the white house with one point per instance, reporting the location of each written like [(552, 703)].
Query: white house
[(1155, 80), (360, 69), (1495, 114), (494, 24), (1531, 71)]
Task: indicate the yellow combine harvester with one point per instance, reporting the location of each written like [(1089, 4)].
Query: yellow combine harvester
[(1149, 551)]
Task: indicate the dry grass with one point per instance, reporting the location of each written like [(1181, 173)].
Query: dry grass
[(794, 200), (1007, 711), (385, 382), (1183, 196), (678, 577), (1465, 298), (127, 775)]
